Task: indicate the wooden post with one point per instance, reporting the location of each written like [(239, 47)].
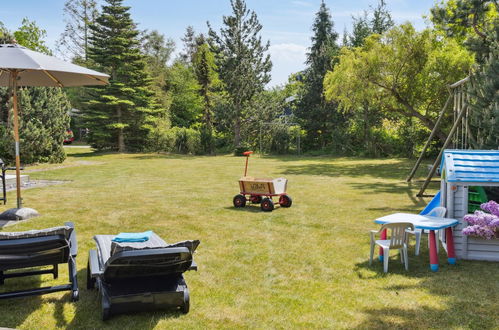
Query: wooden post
[(246, 167), (446, 143), (433, 132), (13, 74)]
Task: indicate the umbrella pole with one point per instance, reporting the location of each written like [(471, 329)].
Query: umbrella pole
[(16, 138)]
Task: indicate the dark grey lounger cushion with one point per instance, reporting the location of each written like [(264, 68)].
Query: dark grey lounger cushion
[(61, 230), (107, 247), (119, 247)]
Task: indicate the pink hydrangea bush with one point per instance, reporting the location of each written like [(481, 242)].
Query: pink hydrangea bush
[(483, 224)]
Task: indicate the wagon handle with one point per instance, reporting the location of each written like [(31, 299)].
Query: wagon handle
[(247, 154)]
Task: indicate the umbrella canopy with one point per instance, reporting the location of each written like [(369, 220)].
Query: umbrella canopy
[(37, 69), (20, 66)]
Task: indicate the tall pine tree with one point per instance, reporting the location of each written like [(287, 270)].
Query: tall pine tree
[(321, 120), (205, 69), (367, 118), (243, 63), (121, 114), (74, 41)]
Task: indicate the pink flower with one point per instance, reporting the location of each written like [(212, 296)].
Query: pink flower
[(482, 224)]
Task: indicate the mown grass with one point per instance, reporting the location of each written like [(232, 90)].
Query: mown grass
[(302, 267)]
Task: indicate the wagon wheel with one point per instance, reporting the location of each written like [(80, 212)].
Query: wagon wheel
[(255, 199), (267, 205), (285, 201), (239, 201)]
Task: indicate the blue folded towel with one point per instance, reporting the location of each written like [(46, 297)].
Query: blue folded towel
[(132, 237)]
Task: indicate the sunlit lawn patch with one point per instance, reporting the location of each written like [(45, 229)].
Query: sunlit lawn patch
[(306, 266)]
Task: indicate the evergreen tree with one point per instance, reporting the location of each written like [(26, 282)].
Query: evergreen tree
[(321, 120), (477, 23), (484, 104), (44, 111), (190, 45), (42, 125), (74, 41), (243, 63), (360, 31), (158, 51), (205, 69), (382, 19), (364, 25), (121, 114), (471, 21)]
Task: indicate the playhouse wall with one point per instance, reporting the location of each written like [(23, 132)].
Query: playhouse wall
[(470, 248)]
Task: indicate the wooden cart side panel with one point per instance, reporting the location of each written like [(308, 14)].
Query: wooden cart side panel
[(256, 187)]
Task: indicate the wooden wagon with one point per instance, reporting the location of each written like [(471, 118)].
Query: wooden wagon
[(261, 190)]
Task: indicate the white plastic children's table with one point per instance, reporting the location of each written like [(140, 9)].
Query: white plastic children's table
[(428, 223)]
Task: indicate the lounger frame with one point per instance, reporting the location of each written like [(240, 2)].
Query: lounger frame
[(63, 251), (141, 287)]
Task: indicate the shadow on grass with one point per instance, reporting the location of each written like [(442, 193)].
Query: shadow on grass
[(255, 208), (87, 154), (87, 311), (167, 156), (14, 311), (464, 306), (396, 170)]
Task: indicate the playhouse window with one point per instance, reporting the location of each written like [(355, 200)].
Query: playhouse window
[(479, 194)]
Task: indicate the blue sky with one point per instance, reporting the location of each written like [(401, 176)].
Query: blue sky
[(286, 23)]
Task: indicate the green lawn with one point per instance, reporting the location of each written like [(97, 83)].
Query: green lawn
[(302, 267)]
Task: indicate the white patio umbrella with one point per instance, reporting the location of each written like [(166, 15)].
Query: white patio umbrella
[(20, 66)]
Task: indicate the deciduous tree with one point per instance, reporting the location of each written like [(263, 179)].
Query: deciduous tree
[(405, 71)]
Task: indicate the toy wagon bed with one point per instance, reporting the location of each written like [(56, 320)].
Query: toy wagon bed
[(262, 187), (261, 190)]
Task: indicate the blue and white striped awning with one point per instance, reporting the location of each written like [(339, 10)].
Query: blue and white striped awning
[(470, 166)]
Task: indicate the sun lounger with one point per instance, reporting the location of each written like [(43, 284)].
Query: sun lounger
[(140, 276), (37, 248)]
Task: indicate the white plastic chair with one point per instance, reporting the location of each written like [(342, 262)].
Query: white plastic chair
[(398, 240), (438, 211)]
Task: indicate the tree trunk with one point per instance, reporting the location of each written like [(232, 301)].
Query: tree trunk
[(425, 120), (121, 139), (237, 131), (367, 137), (207, 120)]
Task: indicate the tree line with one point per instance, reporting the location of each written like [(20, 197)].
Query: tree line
[(377, 92)]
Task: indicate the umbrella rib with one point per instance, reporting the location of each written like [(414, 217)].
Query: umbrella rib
[(98, 79), (53, 78)]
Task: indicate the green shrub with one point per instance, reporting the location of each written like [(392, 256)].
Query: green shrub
[(43, 122), (176, 140), (238, 151)]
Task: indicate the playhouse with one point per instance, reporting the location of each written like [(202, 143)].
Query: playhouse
[(469, 178)]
